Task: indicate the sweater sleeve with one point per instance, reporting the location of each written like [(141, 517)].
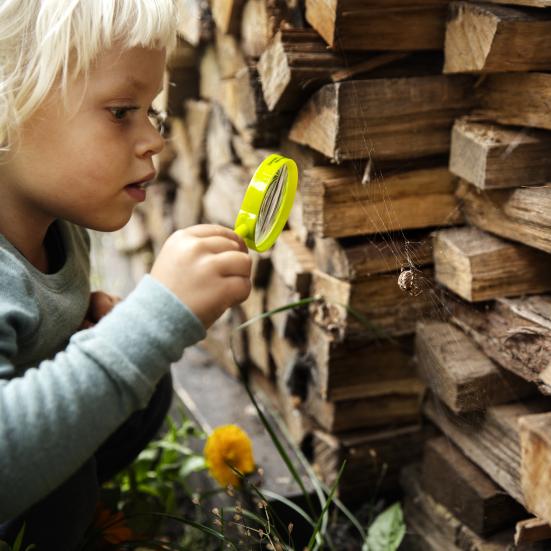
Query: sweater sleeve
[(55, 416)]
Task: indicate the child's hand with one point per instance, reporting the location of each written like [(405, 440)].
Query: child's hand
[(100, 304), (207, 267)]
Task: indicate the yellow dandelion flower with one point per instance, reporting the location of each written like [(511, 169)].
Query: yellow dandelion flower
[(228, 446)]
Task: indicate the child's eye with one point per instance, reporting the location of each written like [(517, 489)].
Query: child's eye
[(119, 113)]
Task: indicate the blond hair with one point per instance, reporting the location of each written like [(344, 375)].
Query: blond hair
[(45, 42)]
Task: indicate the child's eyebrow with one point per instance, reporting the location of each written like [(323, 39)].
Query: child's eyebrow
[(139, 85)]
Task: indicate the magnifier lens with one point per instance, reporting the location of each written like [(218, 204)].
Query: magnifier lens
[(271, 205)]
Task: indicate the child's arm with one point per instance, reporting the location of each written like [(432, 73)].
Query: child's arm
[(54, 418)]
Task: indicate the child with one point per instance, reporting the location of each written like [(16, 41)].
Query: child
[(77, 78)]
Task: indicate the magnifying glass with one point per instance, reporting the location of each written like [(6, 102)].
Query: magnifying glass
[(267, 202)]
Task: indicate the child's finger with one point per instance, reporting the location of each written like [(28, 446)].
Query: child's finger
[(234, 263), (210, 230)]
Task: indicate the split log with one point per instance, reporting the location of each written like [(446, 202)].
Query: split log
[(376, 25), (478, 266), (520, 214), (381, 308), (250, 156), (528, 3), (294, 263), (462, 376), (258, 333), (197, 117), (491, 156), (260, 21), (245, 107), (507, 40), (210, 81), (195, 22), (188, 201), (490, 439), (516, 98), (385, 118), (227, 15), (397, 405), (466, 491), (515, 333), (358, 258), (536, 463), (373, 458), (219, 141), (183, 78), (289, 323), (294, 64), (530, 530), (223, 197), (229, 55), (432, 527), (349, 370), (337, 204)]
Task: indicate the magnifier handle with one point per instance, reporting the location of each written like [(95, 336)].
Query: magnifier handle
[(242, 230)]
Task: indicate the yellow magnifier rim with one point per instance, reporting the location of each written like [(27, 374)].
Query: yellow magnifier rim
[(265, 176)]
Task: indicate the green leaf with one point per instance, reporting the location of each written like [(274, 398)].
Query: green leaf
[(192, 464), (387, 531), (19, 539)]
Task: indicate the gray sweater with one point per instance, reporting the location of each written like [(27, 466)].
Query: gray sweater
[(64, 391)]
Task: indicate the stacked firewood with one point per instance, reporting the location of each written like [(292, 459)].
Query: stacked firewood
[(420, 232), (486, 364)]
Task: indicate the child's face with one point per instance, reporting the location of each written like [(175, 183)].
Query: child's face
[(78, 165)]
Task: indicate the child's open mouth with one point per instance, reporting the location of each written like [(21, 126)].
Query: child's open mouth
[(136, 191)]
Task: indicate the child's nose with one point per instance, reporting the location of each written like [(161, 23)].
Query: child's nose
[(150, 143)]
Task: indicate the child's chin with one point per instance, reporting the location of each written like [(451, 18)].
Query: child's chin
[(108, 224)]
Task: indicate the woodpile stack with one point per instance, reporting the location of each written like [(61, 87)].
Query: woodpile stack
[(421, 228)]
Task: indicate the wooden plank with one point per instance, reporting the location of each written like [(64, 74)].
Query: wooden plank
[(536, 463), (348, 370), (386, 118), (492, 156), (466, 491), (516, 98), (295, 63), (373, 458), (508, 39), (337, 204), (379, 24), (359, 258), (520, 214), (515, 333), (385, 309), (462, 376), (478, 266), (491, 439)]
